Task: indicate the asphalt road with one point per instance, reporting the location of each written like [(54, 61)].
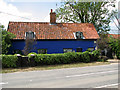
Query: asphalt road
[(103, 76)]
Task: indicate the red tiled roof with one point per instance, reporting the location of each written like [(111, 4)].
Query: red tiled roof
[(55, 31), (114, 35)]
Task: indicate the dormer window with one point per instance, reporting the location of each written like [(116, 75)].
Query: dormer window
[(30, 35), (79, 35)]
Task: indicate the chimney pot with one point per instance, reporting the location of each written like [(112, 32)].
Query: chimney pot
[(52, 17), (51, 10)]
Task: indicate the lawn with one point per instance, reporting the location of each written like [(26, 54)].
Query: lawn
[(49, 67)]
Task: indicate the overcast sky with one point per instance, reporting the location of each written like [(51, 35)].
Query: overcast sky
[(30, 11)]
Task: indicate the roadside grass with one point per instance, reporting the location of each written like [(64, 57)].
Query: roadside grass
[(49, 67)]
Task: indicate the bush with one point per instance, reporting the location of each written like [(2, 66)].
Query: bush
[(31, 53), (95, 55), (118, 54), (85, 57), (89, 50), (51, 59), (9, 60), (71, 57), (101, 60), (115, 46)]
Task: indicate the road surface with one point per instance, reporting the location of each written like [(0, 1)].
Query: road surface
[(103, 76)]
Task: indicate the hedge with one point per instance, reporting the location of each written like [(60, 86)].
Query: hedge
[(72, 57), (9, 60), (51, 59)]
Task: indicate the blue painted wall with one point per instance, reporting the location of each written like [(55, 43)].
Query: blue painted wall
[(55, 46)]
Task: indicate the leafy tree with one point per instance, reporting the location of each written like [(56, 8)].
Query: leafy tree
[(114, 15), (79, 11), (103, 45), (112, 45), (115, 45), (5, 42)]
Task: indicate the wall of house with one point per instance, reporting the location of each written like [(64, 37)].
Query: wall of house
[(55, 46)]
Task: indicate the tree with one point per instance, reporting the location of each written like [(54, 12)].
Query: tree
[(79, 11), (111, 44), (103, 42), (114, 15), (29, 45), (115, 46), (5, 42), (104, 45)]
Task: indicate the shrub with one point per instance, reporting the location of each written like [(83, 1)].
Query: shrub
[(32, 53), (118, 54), (9, 60), (101, 60), (52, 59), (79, 57), (70, 57), (89, 50), (96, 54), (85, 57)]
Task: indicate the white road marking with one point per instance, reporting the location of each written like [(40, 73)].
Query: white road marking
[(30, 80), (3, 83), (107, 85), (90, 74)]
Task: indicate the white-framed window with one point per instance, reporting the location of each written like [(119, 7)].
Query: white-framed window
[(42, 51), (79, 49), (79, 35), (74, 35), (30, 35), (67, 50)]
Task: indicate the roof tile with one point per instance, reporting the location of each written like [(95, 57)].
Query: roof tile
[(45, 30), (116, 36)]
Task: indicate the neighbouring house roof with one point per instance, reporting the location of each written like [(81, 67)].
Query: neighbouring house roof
[(116, 36), (52, 31)]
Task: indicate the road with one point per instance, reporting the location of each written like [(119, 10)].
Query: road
[(103, 76)]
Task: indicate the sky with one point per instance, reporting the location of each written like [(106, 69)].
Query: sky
[(31, 11)]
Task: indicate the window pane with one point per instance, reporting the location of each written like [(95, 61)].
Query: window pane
[(67, 50), (42, 51), (79, 50), (79, 35), (30, 35), (17, 52)]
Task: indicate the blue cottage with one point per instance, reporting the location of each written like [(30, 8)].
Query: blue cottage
[(52, 37)]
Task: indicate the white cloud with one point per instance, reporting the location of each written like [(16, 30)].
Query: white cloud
[(33, 0), (8, 12)]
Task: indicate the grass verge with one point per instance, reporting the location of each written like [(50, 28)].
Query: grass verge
[(49, 67)]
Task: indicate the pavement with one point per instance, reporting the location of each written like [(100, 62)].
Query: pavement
[(102, 76), (113, 60)]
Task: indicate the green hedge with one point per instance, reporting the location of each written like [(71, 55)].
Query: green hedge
[(9, 60), (71, 57), (52, 59)]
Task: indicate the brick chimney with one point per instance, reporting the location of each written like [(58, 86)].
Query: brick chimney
[(52, 17)]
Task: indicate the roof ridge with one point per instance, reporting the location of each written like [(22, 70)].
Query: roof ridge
[(43, 22), (26, 22)]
